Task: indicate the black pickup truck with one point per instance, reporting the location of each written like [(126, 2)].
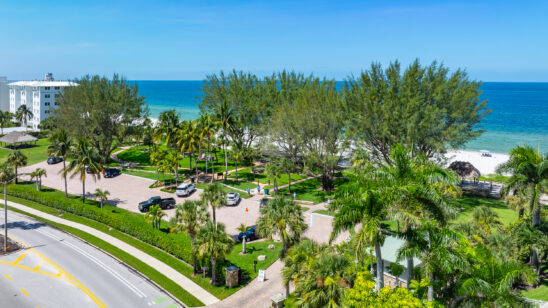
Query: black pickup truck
[(167, 203)]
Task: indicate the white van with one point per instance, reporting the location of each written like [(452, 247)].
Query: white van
[(185, 189)]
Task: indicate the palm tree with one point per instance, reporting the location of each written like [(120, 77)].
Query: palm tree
[(436, 248), (38, 174), (242, 228), (237, 155), (358, 203), (5, 119), (284, 218), (529, 171), (168, 130), (154, 215), (324, 284), (213, 241), (60, 146), (273, 171), (17, 159), (207, 129), (491, 284), (517, 201), (413, 187), (6, 176), (486, 218), (84, 156), (298, 260), (224, 117), (214, 196), (101, 195), (189, 217), (23, 114), (287, 166)]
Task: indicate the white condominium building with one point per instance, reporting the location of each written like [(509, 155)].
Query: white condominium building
[(40, 96)]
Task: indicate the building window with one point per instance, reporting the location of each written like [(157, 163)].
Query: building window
[(56, 104), (47, 96), (56, 95), (46, 103), (57, 88), (47, 88), (46, 112)]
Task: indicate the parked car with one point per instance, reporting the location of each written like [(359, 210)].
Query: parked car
[(111, 172), (185, 189), (54, 160), (249, 234), (232, 198), (165, 203)]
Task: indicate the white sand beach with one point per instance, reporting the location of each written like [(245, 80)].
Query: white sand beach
[(486, 165)]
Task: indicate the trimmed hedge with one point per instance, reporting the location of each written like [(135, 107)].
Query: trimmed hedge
[(125, 221)]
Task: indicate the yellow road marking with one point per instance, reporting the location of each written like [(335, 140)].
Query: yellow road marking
[(39, 264), (25, 292), (20, 257), (7, 276), (62, 274)]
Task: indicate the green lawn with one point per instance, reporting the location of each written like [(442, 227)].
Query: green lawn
[(245, 174), (240, 184), (465, 206), (494, 177), (308, 190), (34, 154), (135, 155)]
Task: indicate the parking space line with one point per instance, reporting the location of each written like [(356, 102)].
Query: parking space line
[(23, 290), (39, 264), (7, 276), (21, 257)]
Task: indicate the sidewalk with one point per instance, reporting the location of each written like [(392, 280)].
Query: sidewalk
[(183, 281)]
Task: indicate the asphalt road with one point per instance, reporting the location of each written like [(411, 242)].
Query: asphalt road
[(58, 270)]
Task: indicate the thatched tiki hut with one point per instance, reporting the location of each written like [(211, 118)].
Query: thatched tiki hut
[(465, 169), (15, 139)]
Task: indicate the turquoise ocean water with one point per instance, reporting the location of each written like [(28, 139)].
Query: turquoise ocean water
[(519, 110)]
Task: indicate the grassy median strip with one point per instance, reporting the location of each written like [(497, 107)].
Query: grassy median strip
[(148, 271)]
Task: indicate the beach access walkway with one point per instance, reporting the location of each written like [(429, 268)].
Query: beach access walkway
[(183, 281)]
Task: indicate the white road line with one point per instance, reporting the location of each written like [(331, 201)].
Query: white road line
[(133, 288)]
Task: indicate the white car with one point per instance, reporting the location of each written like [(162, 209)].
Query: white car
[(185, 189), (232, 198)]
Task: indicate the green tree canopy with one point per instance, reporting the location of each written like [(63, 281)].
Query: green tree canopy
[(424, 108), (100, 109)]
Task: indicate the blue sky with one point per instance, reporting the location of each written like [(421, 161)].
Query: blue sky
[(156, 40)]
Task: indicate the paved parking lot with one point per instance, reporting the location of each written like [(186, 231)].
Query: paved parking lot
[(127, 191)]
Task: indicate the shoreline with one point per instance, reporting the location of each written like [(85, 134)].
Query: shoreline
[(486, 165)]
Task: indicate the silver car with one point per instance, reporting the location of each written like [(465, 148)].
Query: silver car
[(232, 198), (185, 190)]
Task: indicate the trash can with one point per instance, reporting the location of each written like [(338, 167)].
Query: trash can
[(192, 179), (266, 191), (232, 276)]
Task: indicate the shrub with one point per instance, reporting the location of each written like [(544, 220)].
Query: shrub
[(119, 219)]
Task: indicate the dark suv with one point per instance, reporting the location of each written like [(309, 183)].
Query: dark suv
[(111, 172), (54, 160)]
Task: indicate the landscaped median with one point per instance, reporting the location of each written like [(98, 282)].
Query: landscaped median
[(131, 228)]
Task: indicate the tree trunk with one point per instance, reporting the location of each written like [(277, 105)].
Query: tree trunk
[(213, 271), (284, 248), (371, 268), (287, 290), (431, 288), (196, 167), (410, 266), (214, 218), (243, 245), (379, 284), (521, 212), (65, 178), (194, 269), (177, 170), (15, 174), (276, 185), (84, 190), (289, 179), (226, 163), (535, 206)]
